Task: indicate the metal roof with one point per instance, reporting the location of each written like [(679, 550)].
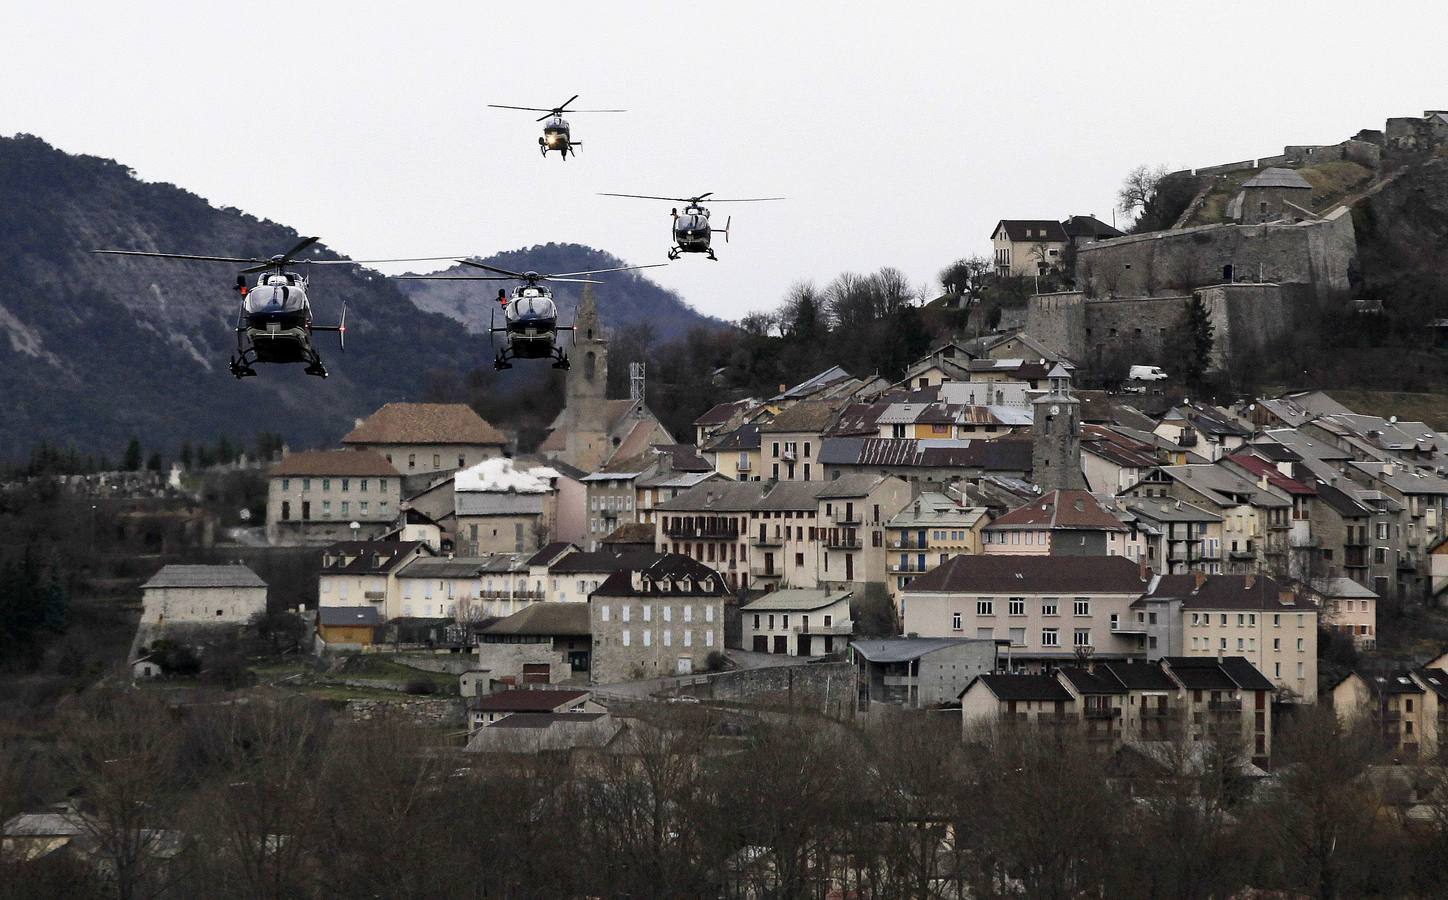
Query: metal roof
[(804, 599), (1276, 177), (888, 650), (348, 615)]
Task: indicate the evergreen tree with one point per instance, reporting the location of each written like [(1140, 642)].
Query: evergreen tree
[(185, 455), (1200, 334), (131, 462), (154, 462)]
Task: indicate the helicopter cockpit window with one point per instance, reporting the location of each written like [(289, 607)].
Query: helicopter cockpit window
[(273, 298)]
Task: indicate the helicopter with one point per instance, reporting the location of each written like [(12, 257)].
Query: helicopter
[(530, 319), (274, 323), (692, 230), (555, 129)]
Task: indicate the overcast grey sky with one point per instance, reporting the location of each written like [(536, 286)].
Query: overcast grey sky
[(900, 132)]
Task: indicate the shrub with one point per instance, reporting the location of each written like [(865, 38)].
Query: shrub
[(420, 687)]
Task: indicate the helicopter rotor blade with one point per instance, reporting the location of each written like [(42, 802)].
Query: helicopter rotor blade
[(231, 259), (648, 197), (576, 280), (743, 199), (301, 245), (361, 262), (572, 111), (478, 265), (524, 108), (564, 105), (455, 278), (266, 266), (562, 275)]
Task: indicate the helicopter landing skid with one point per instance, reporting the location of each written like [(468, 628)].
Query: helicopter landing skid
[(673, 253), (241, 367), (561, 361)]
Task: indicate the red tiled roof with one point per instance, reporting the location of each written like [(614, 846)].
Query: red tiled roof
[(334, 463), (425, 423), (1066, 509), (1259, 467)]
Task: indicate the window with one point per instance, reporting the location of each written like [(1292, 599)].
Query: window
[(648, 613), (1082, 607), (1276, 621), (346, 484), (306, 484), (688, 638), (668, 638), (625, 634), (1050, 637), (626, 610), (1018, 637), (436, 461), (286, 484), (363, 506), (668, 614), (603, 613), (708, 614), (346, 507), (326, 507), (709, 636), (648, 637), (412, 460), (1018, 606), (1300, 646), (985, 606), (1240, 645), (1277, 644), (1082, 637), (955, 621), (1048, 606)]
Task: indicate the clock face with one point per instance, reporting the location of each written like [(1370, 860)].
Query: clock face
[(1055, 410)]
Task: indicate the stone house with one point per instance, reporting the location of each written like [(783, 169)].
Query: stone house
[(1049, 609), (1178, 537), (918, 673), (213, 595), (501, 507), (544, 643), (662, 620), (1256, 517), (798, 622), (1272, 195), (364, 573), (492, 708), (1025, 247), (315, 496), (427, 438)]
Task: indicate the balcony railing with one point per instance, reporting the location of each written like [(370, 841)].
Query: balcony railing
[(854, 518), (1224, 705), (844, 543), (744, 465), (908, 545), (767, 540), (1102, 712), (1154, 712), (906, 568), (375, 595), (703, 534), (510, 595)]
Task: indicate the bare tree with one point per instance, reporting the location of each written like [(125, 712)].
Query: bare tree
[(1138, 188)]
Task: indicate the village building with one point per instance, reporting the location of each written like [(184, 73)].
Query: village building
[(215, 595), (546, 642), (1349, 609), (347, 627), (1270, 623), (364, 573), (791, 441), (320, 496), (502, 508), (1178, 537), (665, 619), (929, 530), (491, 708), (736, 454), (1060, 523), (1050, 609), (1027, 246), (918, 673), (427, 438), (798, 622)]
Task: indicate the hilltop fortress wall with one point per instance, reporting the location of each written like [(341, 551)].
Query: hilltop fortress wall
[(1245, 318), (1314, 257)]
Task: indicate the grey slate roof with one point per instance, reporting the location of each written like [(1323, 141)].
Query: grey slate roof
[(440, 567), (177, 576), (348, 615), (497, 503), (746, 496), (804, 599), (547, 617)]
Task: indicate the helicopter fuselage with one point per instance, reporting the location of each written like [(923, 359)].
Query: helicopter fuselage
[(692, 231), (275, 319), (556, 136), (531, 321)]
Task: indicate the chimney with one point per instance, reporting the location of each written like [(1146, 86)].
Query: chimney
[(1199, 578), (783, 388), (1144, 569), (1248, 582)]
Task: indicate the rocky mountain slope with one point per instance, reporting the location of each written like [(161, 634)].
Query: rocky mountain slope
[(94, 349)]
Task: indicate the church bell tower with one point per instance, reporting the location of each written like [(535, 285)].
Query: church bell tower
[(1056, 451)]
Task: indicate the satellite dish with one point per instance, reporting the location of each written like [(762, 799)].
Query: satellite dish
[(355, 525), (245, 515)]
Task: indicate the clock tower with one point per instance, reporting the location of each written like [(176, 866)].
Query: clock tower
[(1056, 453)]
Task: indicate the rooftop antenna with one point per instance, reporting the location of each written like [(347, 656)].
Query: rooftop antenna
[(636, 381)]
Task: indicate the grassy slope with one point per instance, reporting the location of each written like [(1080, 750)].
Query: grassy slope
[(1431, 408)]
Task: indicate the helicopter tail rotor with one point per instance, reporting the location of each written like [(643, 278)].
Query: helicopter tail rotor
[(342, 329)]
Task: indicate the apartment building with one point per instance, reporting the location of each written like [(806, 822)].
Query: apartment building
[(929, 530), (1054, 610), (1060, 523), (1273, 624), (364, 573), (1177, 536), (661, 620), (316, 496), (798, 622)]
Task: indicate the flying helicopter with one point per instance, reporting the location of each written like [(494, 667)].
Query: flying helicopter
[(555, 128), (692, 230), (274, 323), (530, 318)]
